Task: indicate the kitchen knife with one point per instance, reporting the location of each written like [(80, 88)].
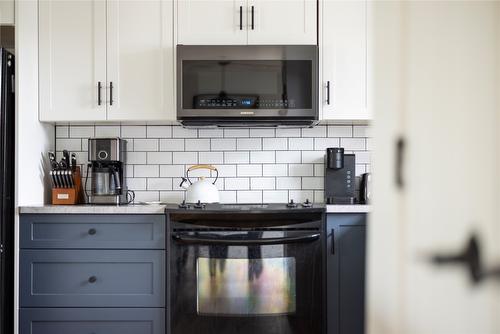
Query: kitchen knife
[(66, 157), (53, 178), (73, 161), (56, 178), (52, 158), (70, 178), (59, 178)]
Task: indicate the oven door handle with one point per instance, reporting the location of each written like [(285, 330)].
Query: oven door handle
[(245, 242)]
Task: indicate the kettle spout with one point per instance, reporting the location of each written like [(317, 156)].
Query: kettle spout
[(184, 183)]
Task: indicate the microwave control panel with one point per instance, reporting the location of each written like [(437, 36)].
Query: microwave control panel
[(239, 102)]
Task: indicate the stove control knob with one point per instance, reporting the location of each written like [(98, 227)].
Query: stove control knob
[(199, 205), (291, 204), (307, 204), (183, 205)]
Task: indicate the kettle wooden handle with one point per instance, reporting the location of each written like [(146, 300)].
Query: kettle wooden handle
[(210, 167)]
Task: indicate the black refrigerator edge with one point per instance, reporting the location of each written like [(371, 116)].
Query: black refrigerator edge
[(7, 186)]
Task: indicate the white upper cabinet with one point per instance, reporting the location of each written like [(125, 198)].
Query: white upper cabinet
[(205, 22), (87, 44), (345, 67), (140, 60), (278, 22), (7, 12), (240, 22), (72, 53)]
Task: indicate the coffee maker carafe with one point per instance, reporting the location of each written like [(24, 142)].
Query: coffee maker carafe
[(106, 157)]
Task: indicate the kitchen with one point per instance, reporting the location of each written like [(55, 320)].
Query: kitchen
[(226, 151)]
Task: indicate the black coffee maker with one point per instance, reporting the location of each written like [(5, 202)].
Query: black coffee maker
[(106, 157), (340, 177)]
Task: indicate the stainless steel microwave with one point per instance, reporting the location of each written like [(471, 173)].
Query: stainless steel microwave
[(247, 85)]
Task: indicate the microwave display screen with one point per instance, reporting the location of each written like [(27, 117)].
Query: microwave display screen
[(247, 84)]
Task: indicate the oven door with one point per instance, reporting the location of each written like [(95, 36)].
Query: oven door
[(252, 82), (246, 282)]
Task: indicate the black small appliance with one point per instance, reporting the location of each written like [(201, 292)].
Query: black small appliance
[(339, 177)]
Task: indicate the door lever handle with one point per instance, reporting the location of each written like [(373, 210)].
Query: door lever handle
[(470, 257)]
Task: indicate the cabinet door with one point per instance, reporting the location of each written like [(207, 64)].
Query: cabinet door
[(282, 22), (344, 60), (72, 59), (7, 12), (346, 246), (203, 22), (140, 60)]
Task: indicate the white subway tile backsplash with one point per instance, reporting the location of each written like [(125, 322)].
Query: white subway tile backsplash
[(190, 158), (249, 170), (247, 144), (210, 133), (288, 157), (352, 144), (275, 170), (180, 132), (136, 158), (249, 196), (339, 131), (146, 145), (262, 132), (314, 183), (159, 131), (300, 144), (197, 145), (233, 133), (255, 164), (317, 131), (275, 196), (133, 131), (107, 131), (287, 132), (171, 144), (321, 144), (81, 131), (263, 157), (301, 169), (172, 171), (146, 171), (159, 184), (223, 144), (211, 158), (238, 183), (262, 183), (236, 157), (160, 158), (275, 144), (288, 183)]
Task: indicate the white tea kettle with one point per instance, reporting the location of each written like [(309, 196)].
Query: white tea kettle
[(202, 190)]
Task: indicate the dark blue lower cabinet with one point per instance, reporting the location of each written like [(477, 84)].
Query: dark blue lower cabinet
[(92, 321), (346, 262)]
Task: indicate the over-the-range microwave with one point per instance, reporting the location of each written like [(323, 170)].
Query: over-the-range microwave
[(247, 85)]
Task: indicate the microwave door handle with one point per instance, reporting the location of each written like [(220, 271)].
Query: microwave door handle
[(197, 240)]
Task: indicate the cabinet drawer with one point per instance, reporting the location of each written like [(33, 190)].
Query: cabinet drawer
[(92, 320), (92, 231), (92, 278)]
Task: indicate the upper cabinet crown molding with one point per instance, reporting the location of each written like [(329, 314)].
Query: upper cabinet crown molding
[(241, 22), (106, 60)]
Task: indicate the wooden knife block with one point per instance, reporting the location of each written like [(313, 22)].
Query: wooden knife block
[(69, 196)]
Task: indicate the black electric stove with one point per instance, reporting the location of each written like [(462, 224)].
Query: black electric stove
[(246, 268)]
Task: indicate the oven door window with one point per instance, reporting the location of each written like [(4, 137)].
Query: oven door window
[(247, 84), (246, 287)]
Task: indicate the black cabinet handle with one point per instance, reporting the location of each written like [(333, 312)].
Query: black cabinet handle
[(111, 93), (400, 152), (241, 17), (92, 279), (470, 257), (92, 231), (328, 92), (333, 241), (99, 100), (253, 15)]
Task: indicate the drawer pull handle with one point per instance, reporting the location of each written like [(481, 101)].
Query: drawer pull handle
[(92, 231), (92, 279)]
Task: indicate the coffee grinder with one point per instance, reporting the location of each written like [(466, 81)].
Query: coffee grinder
[(340, 177), (106, 162)]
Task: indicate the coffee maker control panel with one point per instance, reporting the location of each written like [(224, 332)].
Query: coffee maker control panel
[(106, 149)]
